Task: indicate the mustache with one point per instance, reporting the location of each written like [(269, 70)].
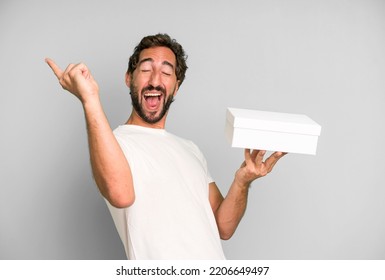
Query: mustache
[(152, 88)]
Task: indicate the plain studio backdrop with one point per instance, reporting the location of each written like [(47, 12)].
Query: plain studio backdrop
[(324, 59)]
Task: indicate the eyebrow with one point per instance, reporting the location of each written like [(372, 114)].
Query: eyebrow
[(149, 59)]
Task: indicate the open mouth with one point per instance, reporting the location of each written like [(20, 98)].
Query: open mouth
[(153, 99)]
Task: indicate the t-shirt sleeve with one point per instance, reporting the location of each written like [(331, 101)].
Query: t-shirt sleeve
[(204, 163), (209, 177)]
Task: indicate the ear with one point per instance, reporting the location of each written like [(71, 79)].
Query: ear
[(128, 80), (176, 88)]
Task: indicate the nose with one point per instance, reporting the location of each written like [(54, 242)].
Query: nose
[(155, 79)]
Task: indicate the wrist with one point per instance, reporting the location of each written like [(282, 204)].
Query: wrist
[(241, 184), (91, 101), (241, 179)]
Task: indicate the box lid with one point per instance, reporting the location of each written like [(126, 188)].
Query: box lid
[(272, 121)]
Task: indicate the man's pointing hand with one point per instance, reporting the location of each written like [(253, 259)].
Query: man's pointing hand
[(76, 79)]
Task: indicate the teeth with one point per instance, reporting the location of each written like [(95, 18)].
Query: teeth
[(151, 94)]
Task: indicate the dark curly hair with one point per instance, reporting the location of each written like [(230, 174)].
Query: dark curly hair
[(161, 40)]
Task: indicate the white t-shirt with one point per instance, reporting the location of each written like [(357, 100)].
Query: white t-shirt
[(171, 217)]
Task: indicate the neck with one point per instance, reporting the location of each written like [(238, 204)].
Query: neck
[(135, 119)]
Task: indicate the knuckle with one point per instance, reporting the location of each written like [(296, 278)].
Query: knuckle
[(264, 173), (62, 82), (277, 155), (251, 170)]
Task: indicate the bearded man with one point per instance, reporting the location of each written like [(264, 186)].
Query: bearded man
[(158, 188)]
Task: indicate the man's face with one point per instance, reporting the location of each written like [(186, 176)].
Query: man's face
[(153, 84)]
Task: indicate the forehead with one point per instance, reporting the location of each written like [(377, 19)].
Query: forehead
[(158, 54)]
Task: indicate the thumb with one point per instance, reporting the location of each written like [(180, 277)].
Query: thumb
[(56, 69)]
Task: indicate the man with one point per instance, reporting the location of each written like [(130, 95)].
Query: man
[(157, 186)]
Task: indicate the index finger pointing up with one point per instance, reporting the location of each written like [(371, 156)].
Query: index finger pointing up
[(56, 70)]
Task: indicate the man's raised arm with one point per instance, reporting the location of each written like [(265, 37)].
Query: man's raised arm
[(109, 165)]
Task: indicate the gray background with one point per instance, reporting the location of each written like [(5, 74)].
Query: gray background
[(324, 59)]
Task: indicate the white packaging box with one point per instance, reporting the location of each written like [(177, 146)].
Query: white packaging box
[(272, 131)]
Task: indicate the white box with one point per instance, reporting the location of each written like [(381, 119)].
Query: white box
[(272, 131)]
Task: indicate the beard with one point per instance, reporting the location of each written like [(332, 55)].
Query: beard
[(151, 117)]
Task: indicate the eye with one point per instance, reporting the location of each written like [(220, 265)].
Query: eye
[(145, 67), (166, 73)]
